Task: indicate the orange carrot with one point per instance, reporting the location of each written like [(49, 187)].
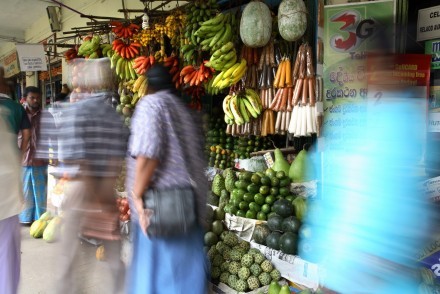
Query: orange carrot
[(288, 73)]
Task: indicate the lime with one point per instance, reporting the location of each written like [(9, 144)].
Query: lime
[(270, 199), (255, 179), (265, 208), (252, 206), (241, 193), (280, 174), (243, 205), (228, 207), (259, 199), (264, 190), (284, 191), (251, 214), (241, 213), (237, 197), (253, 188), (265, 181), (261, 216), (274, 191), (270, 173), (275, 182), (234, 210), (248, 197)]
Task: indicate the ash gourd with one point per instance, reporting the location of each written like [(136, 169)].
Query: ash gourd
[(256, 25), (292, 19)]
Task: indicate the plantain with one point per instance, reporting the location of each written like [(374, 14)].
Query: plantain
[(254, 112), (243, 111), (226, 108), (234, 106)]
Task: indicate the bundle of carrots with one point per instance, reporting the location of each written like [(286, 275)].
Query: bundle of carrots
[(126, 50), (143, 63), (124, 30), (195, 76), (173, 63)]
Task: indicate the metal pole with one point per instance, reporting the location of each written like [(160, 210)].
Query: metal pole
[(50, 79)]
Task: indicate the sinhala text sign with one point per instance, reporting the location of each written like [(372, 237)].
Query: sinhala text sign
[(32, 57), (428, 23)]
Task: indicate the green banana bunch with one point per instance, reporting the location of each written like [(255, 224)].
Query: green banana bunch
[(230, 76), (240, 108), (188, 52), (223, 58), (89, 46), (198, 12), (107, 50), (216, 32)]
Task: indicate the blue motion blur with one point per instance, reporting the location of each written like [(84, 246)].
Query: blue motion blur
[(372, 219)]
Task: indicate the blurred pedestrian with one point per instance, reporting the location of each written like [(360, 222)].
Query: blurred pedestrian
[(373, 218), (93, 143), (34, 169), (16, 115), (165, 152), (12, 119)]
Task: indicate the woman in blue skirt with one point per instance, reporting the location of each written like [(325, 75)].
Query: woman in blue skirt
[(164, 138)]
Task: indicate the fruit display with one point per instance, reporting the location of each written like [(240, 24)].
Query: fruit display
[(256, 24), (292, 19), (237, 265), (255, 194), (106, 50), (124, 209), (196, 13), (37, 228), (245, 145)]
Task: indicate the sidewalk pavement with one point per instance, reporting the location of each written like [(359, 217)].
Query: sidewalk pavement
[(38, 267)]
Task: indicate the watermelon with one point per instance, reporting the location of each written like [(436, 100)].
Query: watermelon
[(260, 234)]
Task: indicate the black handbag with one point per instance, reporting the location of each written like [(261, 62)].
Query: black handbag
[(173, 211)]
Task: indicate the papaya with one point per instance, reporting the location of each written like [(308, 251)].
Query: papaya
[(46, 216), (37, 228), (52, 230)]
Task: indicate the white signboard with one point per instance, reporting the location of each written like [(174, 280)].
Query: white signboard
[(32, 57), (432, 188), (428, 23), (434, 122)]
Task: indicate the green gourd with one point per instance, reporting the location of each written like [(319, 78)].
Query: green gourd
[(280, 163)]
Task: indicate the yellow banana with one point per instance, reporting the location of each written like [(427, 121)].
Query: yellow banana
[(239, 69), (217, 79), (233, 105), (226, 109), (230, 70), (137, 84)]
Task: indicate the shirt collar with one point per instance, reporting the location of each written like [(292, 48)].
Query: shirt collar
[(3, 95)]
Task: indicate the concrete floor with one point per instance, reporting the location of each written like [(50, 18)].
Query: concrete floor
[(39, 261)]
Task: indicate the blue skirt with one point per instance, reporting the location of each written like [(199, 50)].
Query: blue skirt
[(34, 192), (172, 265)]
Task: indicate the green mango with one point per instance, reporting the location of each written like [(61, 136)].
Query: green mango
[(274, 288)]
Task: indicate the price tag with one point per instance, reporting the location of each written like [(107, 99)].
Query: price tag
[(269, 160)]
